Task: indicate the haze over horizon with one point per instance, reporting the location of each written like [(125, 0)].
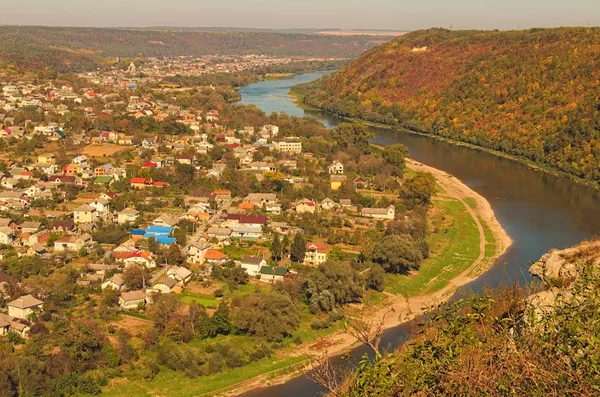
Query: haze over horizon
[(315, 14)]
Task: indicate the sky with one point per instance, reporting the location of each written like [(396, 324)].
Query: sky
[(282, 14)]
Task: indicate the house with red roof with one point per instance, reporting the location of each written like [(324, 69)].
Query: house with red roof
[(139, 183), (316, 253), (305, 206)]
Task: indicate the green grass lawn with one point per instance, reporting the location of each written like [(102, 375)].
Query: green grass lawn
[(205, 300), (454, 247), (176, 384)]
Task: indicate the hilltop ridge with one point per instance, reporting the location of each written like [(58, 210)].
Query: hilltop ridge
[(531, 94)]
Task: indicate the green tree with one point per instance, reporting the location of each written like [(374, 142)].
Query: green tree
[(397, 253), (270, 315), (395, 155), (298, 249), (352, 136), (419, 189), (331, 284), (221, 322), (276, 247)]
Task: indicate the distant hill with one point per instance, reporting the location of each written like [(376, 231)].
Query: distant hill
[(533, 93), (74, 49)]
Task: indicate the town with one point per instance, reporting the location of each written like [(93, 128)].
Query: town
[(179, 213)]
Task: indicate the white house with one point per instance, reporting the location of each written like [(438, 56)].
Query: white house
[(102, 207), (197, 250), (131, 300), (252, 264), (379, 213), (84, 214), (24, 306), (127, 215), (116, 282), (180, 273), (336, 168), (316, 253), (6, 235)]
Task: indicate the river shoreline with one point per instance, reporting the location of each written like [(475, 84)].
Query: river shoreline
[(298, 98), (403, 309)]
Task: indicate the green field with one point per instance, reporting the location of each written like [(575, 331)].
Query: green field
[(176, 384), (454, 245), (205, 300)]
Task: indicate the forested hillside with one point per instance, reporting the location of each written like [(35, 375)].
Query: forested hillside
[(72, 49), (532, 93)]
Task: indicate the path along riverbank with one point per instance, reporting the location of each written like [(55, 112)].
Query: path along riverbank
[(398, 309)]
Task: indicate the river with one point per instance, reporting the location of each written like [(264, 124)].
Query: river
[(539, 211)]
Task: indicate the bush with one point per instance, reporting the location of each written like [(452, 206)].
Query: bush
[(218, 293), (317, 324)]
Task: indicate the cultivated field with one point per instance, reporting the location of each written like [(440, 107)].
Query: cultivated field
[(102, 150)]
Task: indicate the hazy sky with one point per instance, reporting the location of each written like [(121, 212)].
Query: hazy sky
[(365, 14)]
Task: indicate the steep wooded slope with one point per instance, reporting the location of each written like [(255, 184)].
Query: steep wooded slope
[(532, 93)]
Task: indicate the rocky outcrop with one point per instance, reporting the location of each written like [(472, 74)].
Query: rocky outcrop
[(558, 269)]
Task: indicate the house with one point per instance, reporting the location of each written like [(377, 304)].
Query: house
[(180, 273), (73, 243), (139, 183), (5, 279), (104, 180), (7, 222), (38, 238), (246, 220), (132, 300), (7, 235), (165, 220), (84, 214), (252, 264), (166, 285), (116, 282), (220, 233), (221, 196), (9, 323), (289, 145), (336, 168), (47, 158), (360, 183), (270, 274), (63, 226), (328, 204), (214, 256), (24, 306), (102, 207), (347, 205), (36, 249), (260, 199), (30, 226), (379, 213), (125, 140), (336, 181), (127, 215), (196, 251), (143, 258), (186, 159), (316, 253), (148, 143), (305, 206), (246, 232)]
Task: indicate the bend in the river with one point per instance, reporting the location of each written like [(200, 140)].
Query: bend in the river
[(539, 211)]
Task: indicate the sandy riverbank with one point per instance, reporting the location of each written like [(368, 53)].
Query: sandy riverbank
[(397, 309)]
